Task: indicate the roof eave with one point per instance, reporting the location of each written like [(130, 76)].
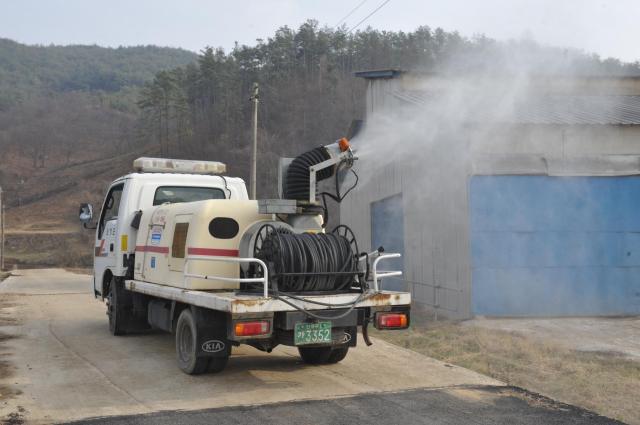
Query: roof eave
[(376, 74)]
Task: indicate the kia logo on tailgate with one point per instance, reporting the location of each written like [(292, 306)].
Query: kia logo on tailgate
[(212, 346)]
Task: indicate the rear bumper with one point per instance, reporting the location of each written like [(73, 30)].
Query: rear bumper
[(344, 327)]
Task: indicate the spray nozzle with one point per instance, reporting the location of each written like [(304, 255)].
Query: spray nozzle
[(344, 144)]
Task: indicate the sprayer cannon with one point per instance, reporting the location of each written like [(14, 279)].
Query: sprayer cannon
[(306, 170)]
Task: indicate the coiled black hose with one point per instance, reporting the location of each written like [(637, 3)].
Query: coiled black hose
[(297, 180), (309, 262)]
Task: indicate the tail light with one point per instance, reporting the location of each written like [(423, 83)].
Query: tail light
[(392, 321), (253, 328)]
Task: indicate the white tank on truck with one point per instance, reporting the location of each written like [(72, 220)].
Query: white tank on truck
[(180, 247)]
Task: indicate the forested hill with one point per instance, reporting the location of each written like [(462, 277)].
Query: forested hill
[(25, 70), (68, 126)]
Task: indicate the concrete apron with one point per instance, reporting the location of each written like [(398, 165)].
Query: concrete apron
[(64, 365)]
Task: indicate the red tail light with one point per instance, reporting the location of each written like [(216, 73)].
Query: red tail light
[(392, 321), (258, 327)]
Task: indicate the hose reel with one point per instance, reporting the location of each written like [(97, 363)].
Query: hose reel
[(308, 262)]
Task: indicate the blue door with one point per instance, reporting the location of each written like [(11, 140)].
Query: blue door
[(555, 246), (387, 230)]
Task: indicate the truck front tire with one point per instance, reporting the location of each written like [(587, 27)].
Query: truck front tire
[(117, 308), (186, 346)]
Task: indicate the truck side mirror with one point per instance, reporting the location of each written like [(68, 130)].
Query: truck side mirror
[(85, 214)]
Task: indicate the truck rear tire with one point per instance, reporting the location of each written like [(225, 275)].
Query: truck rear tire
[(323, 355), (315, 355), (338, 354), (186, 346), (119, 314)]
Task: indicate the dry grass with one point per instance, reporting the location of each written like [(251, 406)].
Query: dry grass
[(44, 249), (602, 382)]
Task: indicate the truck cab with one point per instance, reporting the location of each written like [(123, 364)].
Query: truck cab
[(127, 196)]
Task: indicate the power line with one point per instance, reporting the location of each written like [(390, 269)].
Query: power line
[(369, 15), (350, 13)]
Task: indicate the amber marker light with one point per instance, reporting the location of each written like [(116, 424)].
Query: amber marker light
[(343, 144)]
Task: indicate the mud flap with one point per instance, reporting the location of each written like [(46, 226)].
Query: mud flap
[(212, 333), (350, 336)]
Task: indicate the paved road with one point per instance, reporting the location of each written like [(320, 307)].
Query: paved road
[(451, 406), (58, 363)]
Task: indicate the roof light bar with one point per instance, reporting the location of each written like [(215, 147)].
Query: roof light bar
[(180, 166)]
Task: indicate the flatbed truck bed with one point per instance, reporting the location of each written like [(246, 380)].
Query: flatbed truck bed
[(239, 303)]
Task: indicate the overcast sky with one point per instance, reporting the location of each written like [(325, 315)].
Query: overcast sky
[(607, 27)]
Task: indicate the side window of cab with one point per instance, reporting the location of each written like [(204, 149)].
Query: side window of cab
[(110, 207)]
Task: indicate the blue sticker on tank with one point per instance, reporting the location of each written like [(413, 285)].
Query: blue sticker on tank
[(155, 238)]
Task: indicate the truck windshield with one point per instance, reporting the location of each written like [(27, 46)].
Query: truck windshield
[(175, 194)]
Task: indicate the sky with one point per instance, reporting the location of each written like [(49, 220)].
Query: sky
[(607, 27)]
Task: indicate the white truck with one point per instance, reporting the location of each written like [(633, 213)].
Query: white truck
[(181, 248)]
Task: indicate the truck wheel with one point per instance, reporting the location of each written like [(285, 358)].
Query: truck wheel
[(186, 349), (315, 355), (338, 354), (118, 317)]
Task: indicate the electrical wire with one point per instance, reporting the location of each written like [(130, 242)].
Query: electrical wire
[(350, 13), (368, 16), (337, 197), (319, 317)]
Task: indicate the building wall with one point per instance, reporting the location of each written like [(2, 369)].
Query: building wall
[(434, 186)]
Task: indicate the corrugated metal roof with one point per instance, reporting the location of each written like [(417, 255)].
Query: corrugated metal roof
[(543, 109)]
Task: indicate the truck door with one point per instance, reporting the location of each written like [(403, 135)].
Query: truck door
[(106, 235)]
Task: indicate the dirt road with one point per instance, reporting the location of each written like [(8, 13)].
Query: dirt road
[(61, 364)]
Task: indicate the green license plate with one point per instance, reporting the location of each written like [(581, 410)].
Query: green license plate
[(312, 333)]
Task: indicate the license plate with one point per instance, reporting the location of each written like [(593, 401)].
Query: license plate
[(312, 333)]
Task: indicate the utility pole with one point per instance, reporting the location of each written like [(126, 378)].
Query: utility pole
[(1, 232), (254, 145)]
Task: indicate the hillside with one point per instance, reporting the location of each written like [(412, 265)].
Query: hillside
[(68, 126), (28, 70)]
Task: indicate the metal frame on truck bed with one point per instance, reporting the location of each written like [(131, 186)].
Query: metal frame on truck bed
[(237, 302)]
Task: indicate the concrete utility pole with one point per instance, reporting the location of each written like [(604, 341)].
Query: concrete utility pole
[(254, 144), (1, 231)]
